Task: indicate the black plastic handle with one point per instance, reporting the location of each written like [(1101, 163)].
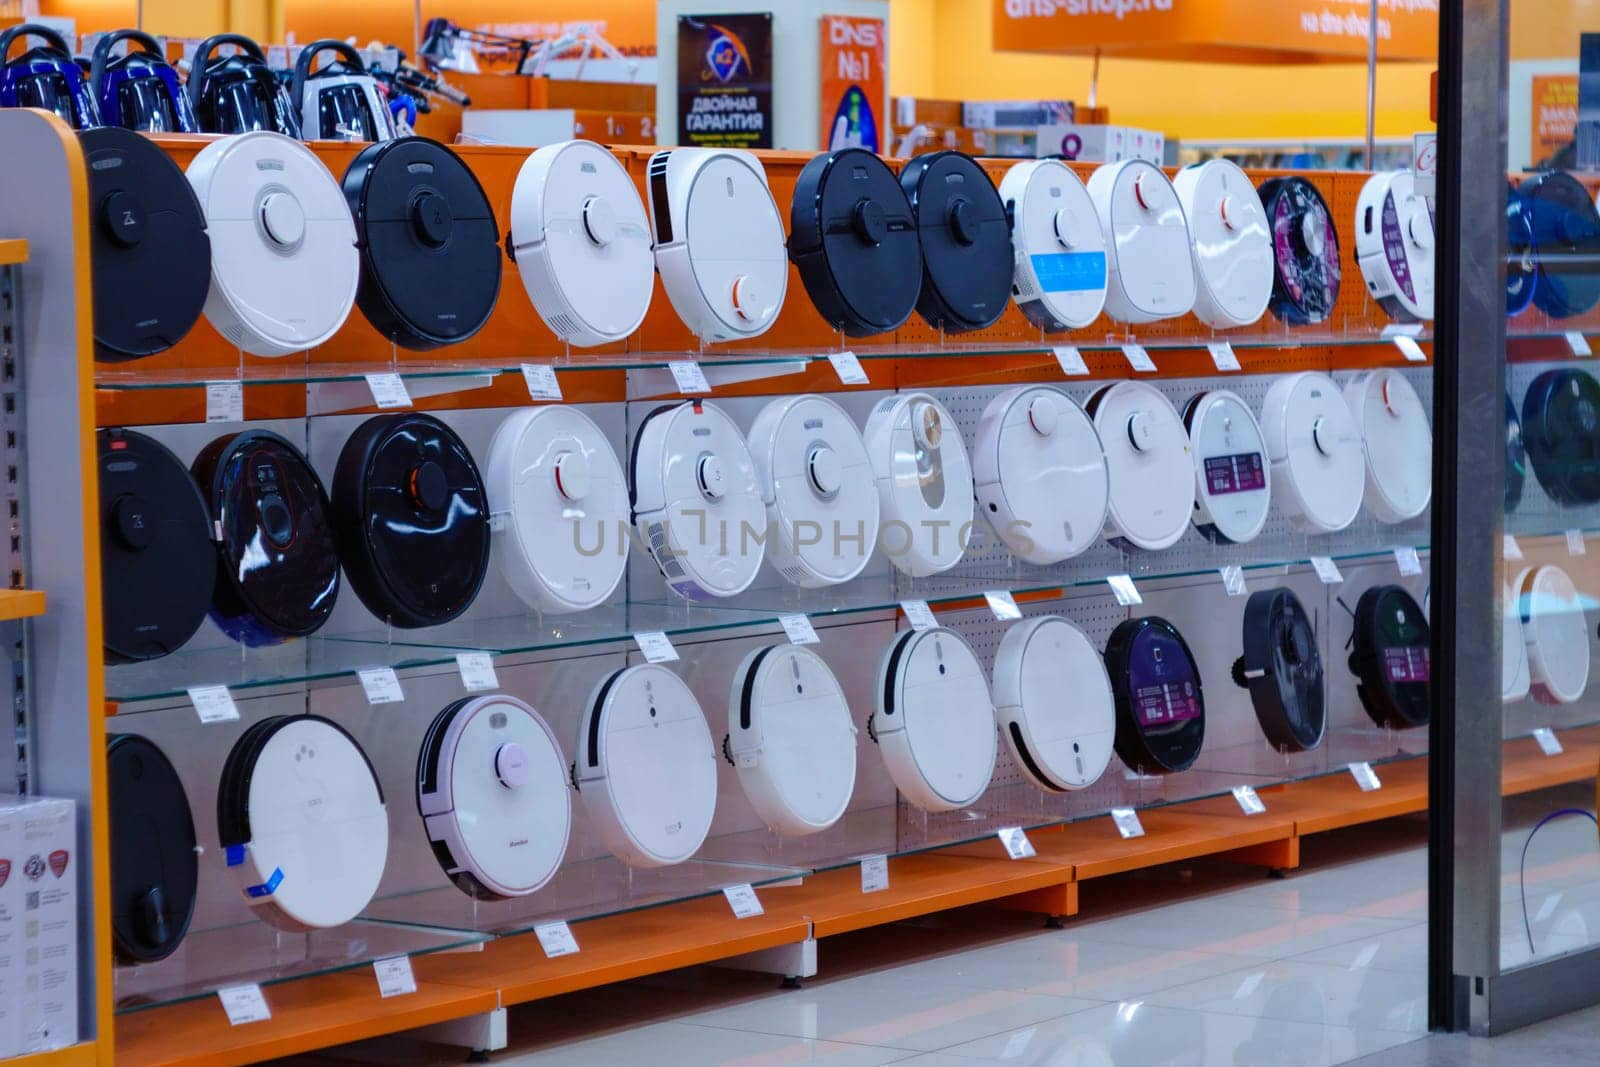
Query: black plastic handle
[(202, 59), (302, 66), (102, 52), (33, 29)]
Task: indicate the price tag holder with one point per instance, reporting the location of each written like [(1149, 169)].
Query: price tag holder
[(1406, 560), (1233, 580), (1365, 776), (1327, 570), (743, 900), (244, 1004), (1509, 547), (394, 976), (213, 703), (1128, 824), (1071, 360), (388, 391), (848, 368), (556, 939), (1410, 349), (1017, 845), (1223, 356), (381, 684), (918, 614), (1579, 344), (477, 671), (1124, 590), (1575, 545), (224, 401), (689, 376), (1549, 743), (541, 381), (1249, 801), (656, 646), (874, 874), (1003, 604), (799, 630), (1139, 359)]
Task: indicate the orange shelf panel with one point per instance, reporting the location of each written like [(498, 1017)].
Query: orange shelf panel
[(83, 1054), (1095, 849), (1526, 768), (13, 250), (21, 604)]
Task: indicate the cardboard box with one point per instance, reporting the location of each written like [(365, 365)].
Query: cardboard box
[(1013, 114), (1100, 144), (39, 906)]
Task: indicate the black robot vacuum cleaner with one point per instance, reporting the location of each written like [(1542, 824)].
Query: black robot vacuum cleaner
[(1390, 658), (966, 241), (430, 248), (412, 520), (154, 866), (854, 241), (1305, 251), (1161, 710), (1561, 433), (1516, 457), (1283, 671), (1566, 243), (277, 563)]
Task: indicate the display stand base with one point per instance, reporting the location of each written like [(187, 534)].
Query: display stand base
[(478, 1034)]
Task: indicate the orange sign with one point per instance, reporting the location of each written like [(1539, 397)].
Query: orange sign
[(1555, 115), (855, 82)]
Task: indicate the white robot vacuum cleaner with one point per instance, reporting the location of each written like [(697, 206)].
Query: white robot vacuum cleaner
[(816, 479), (935, 720), (791, 739), (1394, 245), (581, 241), (1041, 474), (1233, 486), (1059, 281), (1399, 443), (646, 768), (1515, 679), (284, 265), (1152, 473), (1231, 241), (924, 483), (1053, 704), (1150, 269), (1318, 461), (1556, 634), (493, 792)]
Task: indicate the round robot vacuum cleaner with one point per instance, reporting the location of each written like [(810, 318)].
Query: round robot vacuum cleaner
[(1305, 251), (1231, 242), (1282, 669), (791, 739), (154, 526), (854, 240), (646, 767), (581, 242), (155, 866), (1561, 432), (301, 821), (816, 479), (924, 483), (494, 795), (1555, 632), (1318, 460), (1059, 278), (696, 500), (1516, 458), (1515, 678), (1152, 472), (1150, 267), (1161, 709), (1394, 246), (429, 245), (560, 501), (1522, 259), (1566, 237), (1390, 657), (1399, 444), (1053, 704), (149, 255), (1040, 474), (284, 266), (935, 720), (966, 241), (277, 559), (1233, 477), (412, 520)]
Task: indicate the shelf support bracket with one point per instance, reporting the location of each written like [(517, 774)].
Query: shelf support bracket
[(791, 962), (481, 1033)]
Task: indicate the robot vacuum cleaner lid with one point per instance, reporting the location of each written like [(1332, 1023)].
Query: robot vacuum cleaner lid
[(284, 265), (924, 482), (1399, 444), (154, 526), (935, 722), (1566, 235), (494, 793), (1282, 669), (1391, 657), (1041, 474), (277, 561), (966, 241), (1556, 634), (1516, 457), (1522, 259), (1233, 477), (1151, 267), (412, 520), (429, 245), (646, 767), (1515, 677), (854, 240), (696, 499), (155, 866), (581, 241), (1152, 473), (1231, 241), (1394, 246), (1161, 709), (558, 492), (301, 821), (1053, 704), (1318, 460), (791, 738), (1059, 275), (1561, 431), (149, 255), (1305, 250)]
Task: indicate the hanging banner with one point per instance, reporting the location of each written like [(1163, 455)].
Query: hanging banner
[(855, 79), (1555, 115), (725, 80)]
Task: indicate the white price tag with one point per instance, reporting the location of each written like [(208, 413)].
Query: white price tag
[(874, 874), (213, 703), (1579, 344), (1071, 360), (1405, 559), (1223, 356), (689, 376), (1015, 840), (382, 685), (1003, 604), (1509, 547), (477, 671), (799, 630), (656, 646), (1233, 580), (1139, 359), (742, 899), (1365, 776), (556, 939), (224, 401), (918, 614), (1410, 349), (848, 367), (388, 391), (1124, 590), (1402, 329), (1549, 743), (1128, 824), (1575, 545), (1249, 801), (244, 1004), (1327, 570), (394, 976), (541, 381)]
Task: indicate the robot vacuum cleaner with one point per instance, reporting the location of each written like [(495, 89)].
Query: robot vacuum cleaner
[(854, 240), (1150, 268), (557, 489), (1059, 272), (791, 739), (429, 245), (301, 821), (1233, 477), (719, 241), (1318, 461), (277, 561), (935, 720), (1522, 259), (1561, 432), (1305, 251), (1515, 678), (239, 93), (816, 480), (646, 767), (1152, 473), (1041, 474), (966, 241), (1282, 669), (1053, 704), (1231, 243), (1161, 710), (1398, 441), (924, 482), (581, 242), (154, 526), (149, 256), (155, 866), (1394, 246), (338, 101), (1566, 237), (139, 90), (696, 500), (1516, 457), (411, 518), (1555, 633), (493, 792), (46, 76), (284, 265), (1390, 657)]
